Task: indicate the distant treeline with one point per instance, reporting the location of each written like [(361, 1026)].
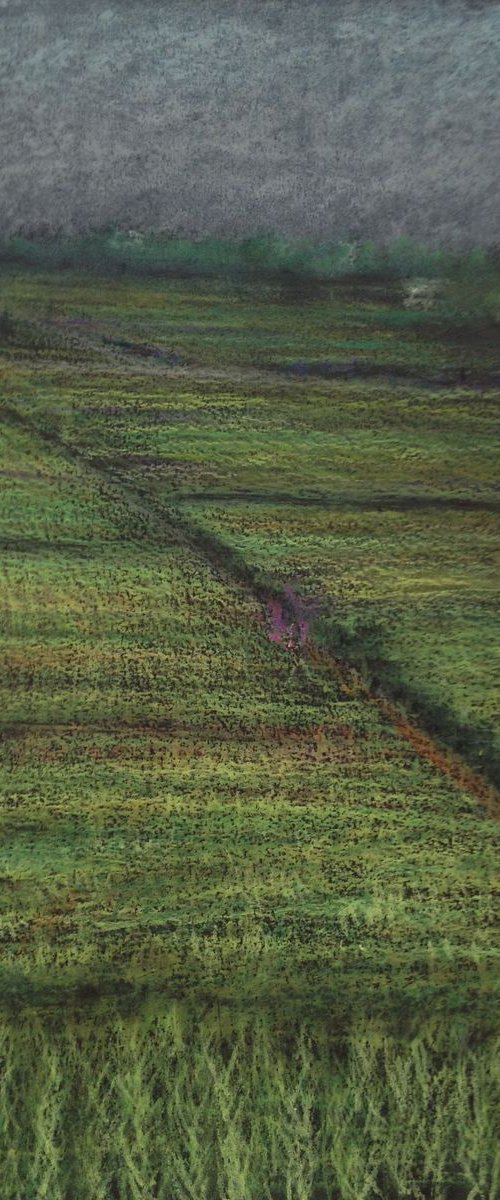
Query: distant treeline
[(156, 254)]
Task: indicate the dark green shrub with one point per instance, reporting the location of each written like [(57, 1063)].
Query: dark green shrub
[(472, 290), (6, 326)]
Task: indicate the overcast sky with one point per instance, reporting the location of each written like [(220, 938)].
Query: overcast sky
[(340, 118)]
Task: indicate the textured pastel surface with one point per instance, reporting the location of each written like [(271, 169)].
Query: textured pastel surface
[(216, 579), (325, 118), (190, 799)]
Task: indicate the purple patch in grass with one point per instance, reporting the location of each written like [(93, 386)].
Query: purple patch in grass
[(290, 619), (282, 630), (278, 630)]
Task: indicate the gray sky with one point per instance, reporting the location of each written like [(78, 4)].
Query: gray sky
[(325, 117)]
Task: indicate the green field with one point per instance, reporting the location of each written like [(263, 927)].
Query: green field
[(297, 845)]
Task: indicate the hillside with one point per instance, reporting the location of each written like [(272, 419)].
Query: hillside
[(249, 680)]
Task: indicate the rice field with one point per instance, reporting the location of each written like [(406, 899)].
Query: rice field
[(249, 753)]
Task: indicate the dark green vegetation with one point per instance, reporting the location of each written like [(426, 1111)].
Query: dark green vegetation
[(148, 254), (192, 810)]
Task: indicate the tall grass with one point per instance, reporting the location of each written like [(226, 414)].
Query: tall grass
[(164, 1104)]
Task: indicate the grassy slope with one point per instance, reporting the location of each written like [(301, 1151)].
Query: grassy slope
[(188, 807), (118, 631), (183, 801), (403, 534)]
